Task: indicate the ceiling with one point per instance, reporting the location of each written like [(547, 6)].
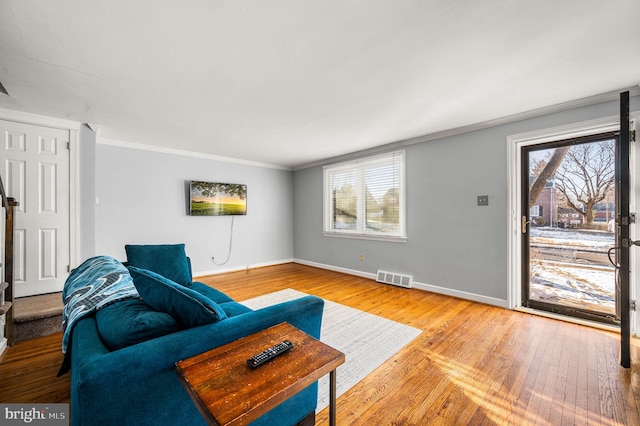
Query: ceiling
[(291, 82)]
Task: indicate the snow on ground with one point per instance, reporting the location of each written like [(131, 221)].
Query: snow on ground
[(573, 237), (570, 282)]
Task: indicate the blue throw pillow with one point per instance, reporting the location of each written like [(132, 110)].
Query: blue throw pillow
[(210, 292), (132, 321), (187, 306), (168, 260)]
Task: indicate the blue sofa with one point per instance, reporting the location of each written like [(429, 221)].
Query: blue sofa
[(135, 383)]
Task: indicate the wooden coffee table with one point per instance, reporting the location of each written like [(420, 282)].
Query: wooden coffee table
[(228, 392)]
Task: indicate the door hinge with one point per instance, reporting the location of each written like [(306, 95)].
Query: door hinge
[(628, 220), (633, 305), (632, 136), (68, 268), (68, 146)]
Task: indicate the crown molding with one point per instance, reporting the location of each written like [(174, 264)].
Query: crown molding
[(39, 120), (184, 153)]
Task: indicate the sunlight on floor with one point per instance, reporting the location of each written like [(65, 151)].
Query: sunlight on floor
[(499, 404)]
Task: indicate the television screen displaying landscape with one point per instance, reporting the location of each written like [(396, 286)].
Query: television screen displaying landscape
[(217, 199)]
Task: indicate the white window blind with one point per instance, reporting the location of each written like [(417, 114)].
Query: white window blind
[(365, 198), (534, 211)]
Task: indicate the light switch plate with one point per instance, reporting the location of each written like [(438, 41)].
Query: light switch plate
[(483, 200)]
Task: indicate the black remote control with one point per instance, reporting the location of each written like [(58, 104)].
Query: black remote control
[(269, 353)]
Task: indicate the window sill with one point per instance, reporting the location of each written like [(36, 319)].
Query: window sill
[(366, 237)]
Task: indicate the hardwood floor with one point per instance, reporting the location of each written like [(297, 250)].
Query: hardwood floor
[(473, 363), (28, 372)]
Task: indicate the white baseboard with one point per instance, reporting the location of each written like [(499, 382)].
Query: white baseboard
[(336, 269), (461, 294), (241, 268), (420, 286)]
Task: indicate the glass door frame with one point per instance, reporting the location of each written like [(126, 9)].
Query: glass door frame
[(623, 228), (526, 301), (514, 249)]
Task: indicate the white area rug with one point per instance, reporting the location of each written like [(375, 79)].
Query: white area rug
[(367, 340)]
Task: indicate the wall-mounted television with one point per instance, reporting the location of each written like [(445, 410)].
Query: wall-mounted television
[(217, 199)]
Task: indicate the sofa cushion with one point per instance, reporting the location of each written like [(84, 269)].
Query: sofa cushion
[(168, 260), (187, 306), (132, 321)]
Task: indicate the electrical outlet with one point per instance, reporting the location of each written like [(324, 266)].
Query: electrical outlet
[(483, 200), (361, 257)]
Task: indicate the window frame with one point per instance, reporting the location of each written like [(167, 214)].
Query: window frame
[(361, 231)]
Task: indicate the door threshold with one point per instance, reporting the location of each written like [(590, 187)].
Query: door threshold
[(565, 318)]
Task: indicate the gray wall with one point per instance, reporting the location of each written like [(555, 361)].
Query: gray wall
[(142, 200), (452, 243)]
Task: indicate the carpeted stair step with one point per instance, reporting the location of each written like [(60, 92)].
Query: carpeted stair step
[(5, 306), (37, 316)]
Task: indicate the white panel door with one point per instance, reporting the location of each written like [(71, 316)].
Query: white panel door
[(35, 171)]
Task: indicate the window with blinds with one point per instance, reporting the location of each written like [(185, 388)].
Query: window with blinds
[(365, 198)]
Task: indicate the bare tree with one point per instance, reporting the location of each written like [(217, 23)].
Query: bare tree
[(586, 176), (546, 173)]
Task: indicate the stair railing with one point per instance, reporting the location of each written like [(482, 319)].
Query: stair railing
[(6, 302)]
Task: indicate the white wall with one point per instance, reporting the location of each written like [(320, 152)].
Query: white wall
[(86, 194), (141, 199)]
